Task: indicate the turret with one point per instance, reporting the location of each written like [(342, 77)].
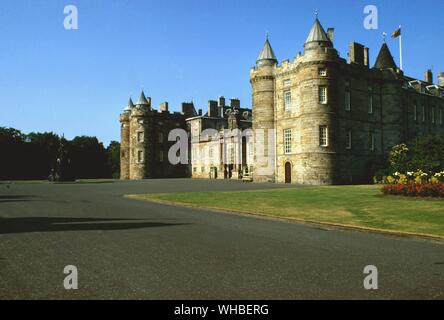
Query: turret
[(267, 56), (140, 153), (317, 37), (125, 141), (385, 59), (143, 101), (319, 45), (262, 80), (319, 67)]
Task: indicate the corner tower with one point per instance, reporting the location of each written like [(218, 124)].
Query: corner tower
[(317, 78), (125, 141), (262, 79), (140, 151)]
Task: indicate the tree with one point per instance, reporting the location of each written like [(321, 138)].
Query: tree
[(13, 154), (44, 148), (113, 158), (428, 153), (88, 158)]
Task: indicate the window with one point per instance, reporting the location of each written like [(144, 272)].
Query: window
[(348, 139), (140, 156), (140, 136), (323, 95), (322, 72), (160, 137), (370, 100), (423, 113), (202, 169), (287, 100), (194, 169), (440, 116), (287, 83), (371, 141), (432, 113), (415, 112), (347, 97), (287, 141), (211, 152), (161, 156), (323, 136)]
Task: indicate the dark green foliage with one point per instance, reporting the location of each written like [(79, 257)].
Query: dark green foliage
[(33, 156), (87, 158), (43, 147), (428, 154), (425, 153), (113, 156)]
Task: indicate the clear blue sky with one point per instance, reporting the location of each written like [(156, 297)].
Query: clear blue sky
[(77, 82)]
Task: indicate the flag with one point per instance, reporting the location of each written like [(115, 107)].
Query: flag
[(396, 33)]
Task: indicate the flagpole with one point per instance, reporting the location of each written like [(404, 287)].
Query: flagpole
[(400, 48)]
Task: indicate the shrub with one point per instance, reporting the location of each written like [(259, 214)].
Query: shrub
[(399, 158)]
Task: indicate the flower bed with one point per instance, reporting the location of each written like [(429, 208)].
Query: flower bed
[(414, 184), (428, 189)]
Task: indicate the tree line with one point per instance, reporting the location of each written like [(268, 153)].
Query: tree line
[(32, 156)]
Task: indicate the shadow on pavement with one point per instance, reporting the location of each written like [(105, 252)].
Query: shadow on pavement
[(15, 198), (46, 224)]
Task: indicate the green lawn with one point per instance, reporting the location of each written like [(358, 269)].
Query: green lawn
[(357, 206)]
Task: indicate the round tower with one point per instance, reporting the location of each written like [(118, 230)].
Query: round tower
[(318, 74), (140, 151), (262, 79), (125, 141)]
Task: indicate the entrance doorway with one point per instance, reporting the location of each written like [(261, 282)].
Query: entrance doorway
[(287, 172)]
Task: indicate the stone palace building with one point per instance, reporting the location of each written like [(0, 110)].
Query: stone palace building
[(326, 119)]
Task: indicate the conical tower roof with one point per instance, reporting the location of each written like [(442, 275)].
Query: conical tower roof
[(142, 99), (130, 105), (385, 59), (267, 52), (317, 33)]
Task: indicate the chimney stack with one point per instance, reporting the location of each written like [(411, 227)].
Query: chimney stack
[(331, 33), (221, 101), (235, 103), (367, 57), (188, 109), (356, 53), (428, 76), (212, 108), (163, 107), (441, 79)]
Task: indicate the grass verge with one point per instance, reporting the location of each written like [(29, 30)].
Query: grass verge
[(361, 207)]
